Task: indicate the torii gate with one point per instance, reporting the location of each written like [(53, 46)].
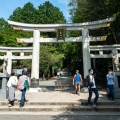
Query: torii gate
[(37, 28), (10, 50), (9, 55)]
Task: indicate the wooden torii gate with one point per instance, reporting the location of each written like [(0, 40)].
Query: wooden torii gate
[(37, 28)]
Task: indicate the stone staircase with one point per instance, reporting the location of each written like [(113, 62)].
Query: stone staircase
[(60, 107)]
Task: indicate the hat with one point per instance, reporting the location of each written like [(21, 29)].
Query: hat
[(25, 72), (77, 70)]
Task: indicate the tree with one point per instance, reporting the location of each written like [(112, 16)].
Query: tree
[(50, 14), (3, 25), (49, 57), (27, 14)]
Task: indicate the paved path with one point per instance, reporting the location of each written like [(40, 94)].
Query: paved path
[(58, 96), (59, 117)]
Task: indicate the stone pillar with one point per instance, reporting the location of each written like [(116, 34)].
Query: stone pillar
[(115, 60), (9, 62), (4, 66), (35, 59), (116, 85), (3, 92), (86, 51), (53, 71), (22, 54)]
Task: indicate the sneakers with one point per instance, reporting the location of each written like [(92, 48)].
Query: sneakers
[(9, 105), (21, 106), (78, 93), (114, 100), (94, 106), (89, 105), (25, 100), (108, 98)]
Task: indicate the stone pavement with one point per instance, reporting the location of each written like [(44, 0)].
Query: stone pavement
[(59, 117), (58, 96), (67, 95)]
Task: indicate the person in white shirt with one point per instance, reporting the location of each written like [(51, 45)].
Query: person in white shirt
[(92, 88), (11, 86)]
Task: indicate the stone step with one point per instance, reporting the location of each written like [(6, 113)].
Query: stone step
[(64, 108), (107, 103), (60, 113)]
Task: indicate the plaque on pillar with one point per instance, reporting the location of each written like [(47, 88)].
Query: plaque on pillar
[(61, 33)]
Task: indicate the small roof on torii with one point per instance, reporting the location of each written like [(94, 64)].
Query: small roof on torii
[(68, 26)]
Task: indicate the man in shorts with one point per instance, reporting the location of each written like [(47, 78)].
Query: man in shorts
[(77, 79)]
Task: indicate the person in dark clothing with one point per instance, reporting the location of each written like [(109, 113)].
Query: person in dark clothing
[(92, 88)]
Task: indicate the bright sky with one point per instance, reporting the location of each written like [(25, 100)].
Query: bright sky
[(8, 6)]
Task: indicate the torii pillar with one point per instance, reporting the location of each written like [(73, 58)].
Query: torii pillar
[(9, 62), (35, 56), (86, 51)]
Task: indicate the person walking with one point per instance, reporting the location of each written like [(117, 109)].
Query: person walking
[(77, 79), (92, 88), (11, 87), (110, 82), (21, 86)]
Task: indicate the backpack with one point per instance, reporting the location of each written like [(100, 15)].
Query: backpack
[(26, 83)]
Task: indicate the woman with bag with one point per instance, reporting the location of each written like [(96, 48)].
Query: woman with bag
[(23, 84), (11, 87)]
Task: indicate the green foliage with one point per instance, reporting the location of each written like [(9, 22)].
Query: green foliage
[(49, 56), (3, 25), (50, 14), (27, 14), (73, 55)]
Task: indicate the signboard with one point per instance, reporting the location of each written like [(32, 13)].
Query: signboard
[(61, 33), (18, 71)]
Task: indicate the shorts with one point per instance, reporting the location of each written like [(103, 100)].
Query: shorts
[(77, 83)]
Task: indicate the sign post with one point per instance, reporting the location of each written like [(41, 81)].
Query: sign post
[(61, 33)]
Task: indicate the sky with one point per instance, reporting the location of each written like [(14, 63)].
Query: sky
[(8, 6)]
